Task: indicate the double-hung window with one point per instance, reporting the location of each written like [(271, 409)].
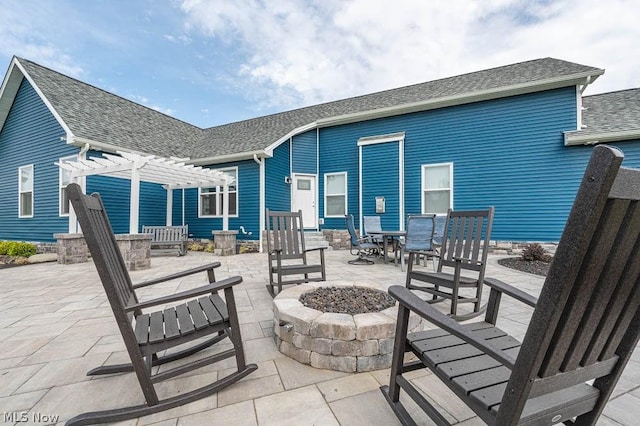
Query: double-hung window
[(25, 191), (437, 188), (335, 194), (210, 200), (64, 179)]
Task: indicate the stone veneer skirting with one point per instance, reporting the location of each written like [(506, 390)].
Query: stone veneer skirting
[(342, 342)]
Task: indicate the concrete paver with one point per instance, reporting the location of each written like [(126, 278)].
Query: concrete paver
[(55, 324)]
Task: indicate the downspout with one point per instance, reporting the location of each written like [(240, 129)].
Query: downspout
[(262, 206)]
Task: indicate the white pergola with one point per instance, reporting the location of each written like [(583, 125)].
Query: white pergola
[(171, 174)]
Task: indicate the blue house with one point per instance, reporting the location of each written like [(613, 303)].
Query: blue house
[(516, 137)]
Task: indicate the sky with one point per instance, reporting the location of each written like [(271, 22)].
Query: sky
[(220, 61)]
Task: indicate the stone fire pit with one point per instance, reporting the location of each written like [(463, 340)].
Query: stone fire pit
[(335, 341)]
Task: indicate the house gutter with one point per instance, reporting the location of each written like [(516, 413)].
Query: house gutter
[(461, 99), (248, 155), (596, 138)]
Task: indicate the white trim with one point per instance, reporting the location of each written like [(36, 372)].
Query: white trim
[(61, 172), (372, 140), (360, 190), (262, 201), (42, 97), (33, 191), (423, 208), (596, 138), (220, 191), (401, 182), (579, 108), (345, 193)]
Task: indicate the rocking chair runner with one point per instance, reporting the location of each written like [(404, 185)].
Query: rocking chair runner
[(585, 325), (205, 314)]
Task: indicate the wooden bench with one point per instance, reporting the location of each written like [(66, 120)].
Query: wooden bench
[(167, 236)]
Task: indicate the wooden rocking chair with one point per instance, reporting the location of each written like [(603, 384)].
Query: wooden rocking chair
[(465, 246), (287, 252), (145, 335), (584, 328)]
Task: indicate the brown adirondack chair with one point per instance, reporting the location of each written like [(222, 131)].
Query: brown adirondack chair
[(287, 252), (465, 246), (203, 315), (584, 328)]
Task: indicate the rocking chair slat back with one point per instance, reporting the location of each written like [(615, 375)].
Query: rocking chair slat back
[(590, 304)]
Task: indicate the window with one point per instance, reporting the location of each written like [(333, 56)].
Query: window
[(25, 190), (437, 188), (64, 180), (210, 199), (335, 193)]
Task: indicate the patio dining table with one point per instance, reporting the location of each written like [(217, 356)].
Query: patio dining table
[(387, 236)]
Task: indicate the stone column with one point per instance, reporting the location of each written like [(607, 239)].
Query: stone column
[(72, 248), (224, 242), (136, 250)]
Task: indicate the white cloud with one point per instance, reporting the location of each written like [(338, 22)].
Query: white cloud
[(301, 52)]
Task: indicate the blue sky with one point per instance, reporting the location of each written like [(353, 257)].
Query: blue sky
[(218, 61)]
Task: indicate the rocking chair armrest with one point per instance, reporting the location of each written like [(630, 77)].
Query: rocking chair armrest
[(504, 288), (465, 260), (180, 274), (412, 302), (314, 249), (187, 294)]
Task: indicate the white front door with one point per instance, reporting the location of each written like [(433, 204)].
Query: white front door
[(304, 198)]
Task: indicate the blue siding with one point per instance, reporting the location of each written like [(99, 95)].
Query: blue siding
[(506, 152), (305, 153), (116, 193), (339, 153), (277, 192), (31, 135), (380, 178), (248, 205)]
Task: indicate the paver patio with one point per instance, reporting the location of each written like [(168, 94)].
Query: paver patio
[(55, 324)]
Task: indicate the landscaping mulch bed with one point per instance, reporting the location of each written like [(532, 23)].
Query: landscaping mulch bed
[(537, 267), (347, 300)]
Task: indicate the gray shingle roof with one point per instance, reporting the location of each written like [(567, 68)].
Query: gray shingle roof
[(100, 116), (611, 112)]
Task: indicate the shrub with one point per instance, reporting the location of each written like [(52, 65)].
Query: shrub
[(196, 247), (17, 249), (210, 248), (535, 252)]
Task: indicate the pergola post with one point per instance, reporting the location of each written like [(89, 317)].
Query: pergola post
[(170, 206), (134, 204), (225, 207)]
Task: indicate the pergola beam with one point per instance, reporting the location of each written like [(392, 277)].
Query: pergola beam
[(171, 174)]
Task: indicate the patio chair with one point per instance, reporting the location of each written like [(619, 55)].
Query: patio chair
[(584, 328), (287, 252), (364, 246), (465, 246), (372, 224), (182, 329), (418, 240)]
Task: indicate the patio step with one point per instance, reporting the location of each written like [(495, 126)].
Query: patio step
[(313, 239)]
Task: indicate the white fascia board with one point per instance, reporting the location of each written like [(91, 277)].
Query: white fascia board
[(101, 146), (43, 98), (465, 98), (9, 90), (596, 138), (269, 149), (248, 155)]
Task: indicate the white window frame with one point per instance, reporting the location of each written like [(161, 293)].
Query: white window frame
[(346, 199), (62, 186), (423, 188), (21, 191), (219, 194)]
